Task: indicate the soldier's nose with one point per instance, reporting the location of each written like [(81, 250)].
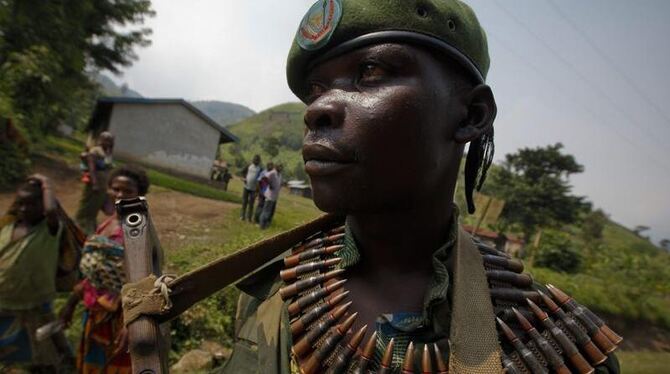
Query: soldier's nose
[(324, 113)]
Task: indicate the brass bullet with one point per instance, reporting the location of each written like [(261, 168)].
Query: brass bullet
[(300, 325), (442, 367), (508, 365), (550, 354), (337, 230), (304, 345), (408, 362), (304, 284), (296, 259), (318, 242), (527, 356), (601, 340), (294, 272), (514, 294), (520, 280), (426, 361), (596, 357), (504, 263), (304, 301), (341, 361), (385, 367), (334, 336), (366, 355), (567, 299), (569, 349)]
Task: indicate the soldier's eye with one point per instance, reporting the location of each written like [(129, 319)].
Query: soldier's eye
[(315, 90), (371, 72)]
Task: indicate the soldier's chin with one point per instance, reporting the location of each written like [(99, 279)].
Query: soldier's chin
[(330, 199)]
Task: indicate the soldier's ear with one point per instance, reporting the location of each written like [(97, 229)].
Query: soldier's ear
[(481, 112)]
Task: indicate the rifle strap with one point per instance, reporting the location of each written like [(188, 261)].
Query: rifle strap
[(149, 296)]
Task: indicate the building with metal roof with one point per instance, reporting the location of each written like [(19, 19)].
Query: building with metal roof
[(168, 134)]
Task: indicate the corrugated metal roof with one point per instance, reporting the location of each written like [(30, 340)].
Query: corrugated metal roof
[(104, 105)]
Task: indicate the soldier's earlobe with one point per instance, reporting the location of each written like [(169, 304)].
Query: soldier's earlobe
[(466, 133)]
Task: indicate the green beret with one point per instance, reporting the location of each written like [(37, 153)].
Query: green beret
[(334, 27)]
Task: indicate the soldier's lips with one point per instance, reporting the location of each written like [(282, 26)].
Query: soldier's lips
[(317, 168), (321, 159)]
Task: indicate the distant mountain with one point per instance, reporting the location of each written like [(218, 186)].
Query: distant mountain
[(109, 88), (223, 112), (275, 134)]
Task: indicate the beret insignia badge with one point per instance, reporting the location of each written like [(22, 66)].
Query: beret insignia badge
[(319, 24)]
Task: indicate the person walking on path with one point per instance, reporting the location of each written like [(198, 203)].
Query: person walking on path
[(271, 195), (96, 164), (262, 187), (251, 173)]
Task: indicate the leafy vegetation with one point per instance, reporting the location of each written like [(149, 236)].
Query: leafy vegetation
[(275, 134), (604, 265), (534, 184), (557, 252), (46, 47), (14, 166)]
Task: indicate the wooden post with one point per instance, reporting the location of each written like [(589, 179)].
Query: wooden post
[(143, 257), (483, 215)]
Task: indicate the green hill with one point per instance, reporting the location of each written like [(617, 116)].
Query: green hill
[(275, 134), (223, 112)]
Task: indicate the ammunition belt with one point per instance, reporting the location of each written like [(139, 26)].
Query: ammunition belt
[(541, 332)]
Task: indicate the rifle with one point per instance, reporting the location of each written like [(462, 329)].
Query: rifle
[(143, 256)]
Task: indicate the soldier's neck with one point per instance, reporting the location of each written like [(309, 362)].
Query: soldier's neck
[(402, 241)]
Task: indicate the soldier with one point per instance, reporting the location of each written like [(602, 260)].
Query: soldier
[(388, 281), (401, 85)]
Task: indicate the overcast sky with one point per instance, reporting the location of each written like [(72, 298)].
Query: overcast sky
[(590, 74)]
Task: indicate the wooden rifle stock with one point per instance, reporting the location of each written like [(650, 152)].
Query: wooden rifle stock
[(143, 257)]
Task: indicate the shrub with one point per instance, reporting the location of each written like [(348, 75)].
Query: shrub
[(557, 252), (14, 166)]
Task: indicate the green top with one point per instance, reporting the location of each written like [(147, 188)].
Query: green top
[(28, 267)]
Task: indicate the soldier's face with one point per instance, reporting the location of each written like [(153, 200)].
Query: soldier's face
[(379, 129)]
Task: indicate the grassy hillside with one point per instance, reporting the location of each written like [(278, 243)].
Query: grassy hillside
[(624, 275), (275, 134)]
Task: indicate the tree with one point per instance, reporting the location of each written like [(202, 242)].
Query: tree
[(46, 48), (665, 244), (271, 146), (534, 182), (639, 229), (557, 252), (593, 225)]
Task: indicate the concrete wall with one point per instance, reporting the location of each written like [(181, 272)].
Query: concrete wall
[(167, 136)]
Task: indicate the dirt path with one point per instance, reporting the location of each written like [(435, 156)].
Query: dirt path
[(177, 216)]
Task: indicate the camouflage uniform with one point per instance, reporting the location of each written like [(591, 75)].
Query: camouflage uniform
[(263, 340)]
